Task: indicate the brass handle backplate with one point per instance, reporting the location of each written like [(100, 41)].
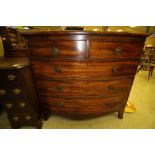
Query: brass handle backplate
[(57, 69), (15, 118), (27, 118), (59, 88), (55, 50), (109, 104), (111, 87), (22, 104), (115, 69), (118, 50), (58, 104), (9, 105), (11, 77), (2, 92), (17, 91)]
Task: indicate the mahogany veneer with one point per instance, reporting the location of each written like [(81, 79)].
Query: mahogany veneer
[(83, 74)]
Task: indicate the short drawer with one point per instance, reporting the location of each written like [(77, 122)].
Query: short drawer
[(85, 87), (24, 118), (103, 49), (9, 76), (60, 49), (18, 105), (85, 70), (84, 105), (12, 91)]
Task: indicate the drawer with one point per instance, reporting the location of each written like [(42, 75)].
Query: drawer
[(13, 91), (21, 119), (60, 49), (9, 76), (90, 70), (85, 87), (103, 49), (18, 105), (84, 105)]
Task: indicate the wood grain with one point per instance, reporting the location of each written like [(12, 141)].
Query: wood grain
[(84, 88), (88, 73)]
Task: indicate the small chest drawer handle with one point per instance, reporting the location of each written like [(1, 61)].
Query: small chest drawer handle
[(55, 51), (2, 92), (58, 104), (59, 88), (57, 69), (9, 105), (17, 91), (109, 104), (22, 104), (11, 77), (118, 50), (27, 118), (111, 88), (115, 69), (15, 118)]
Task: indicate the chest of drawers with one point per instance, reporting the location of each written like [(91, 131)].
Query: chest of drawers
[(83, 74), (17, 93)]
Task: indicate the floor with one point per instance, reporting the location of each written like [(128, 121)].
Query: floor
[(142, 95)]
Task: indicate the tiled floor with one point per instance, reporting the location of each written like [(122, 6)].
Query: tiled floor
[(142, 95)]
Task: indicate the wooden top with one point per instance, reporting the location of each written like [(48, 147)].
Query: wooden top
[(15, 49), (50, 33), (14, 63)]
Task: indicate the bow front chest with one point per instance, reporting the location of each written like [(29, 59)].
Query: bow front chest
[(83, 74)]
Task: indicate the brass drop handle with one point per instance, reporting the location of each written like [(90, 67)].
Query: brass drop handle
[(111, 87), (17, 91), (27, 118), (59, 88), (115, 69), (108, 104), (57, 69), (15, 118), (118, 50), (9, 105), (11, 77), (2, 92), (22, 104), (58, 104), (55, 50)]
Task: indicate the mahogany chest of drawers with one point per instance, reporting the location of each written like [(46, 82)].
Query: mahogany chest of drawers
[(17, 93), (83, 74)]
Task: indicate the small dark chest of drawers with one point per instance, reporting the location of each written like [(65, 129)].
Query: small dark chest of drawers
[(17, 93)]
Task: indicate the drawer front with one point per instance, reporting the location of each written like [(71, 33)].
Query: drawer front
[(60, 49), (84, 106), (21, 119), (20, 105), (9, 76), (94, 70), (100, 49), (84, 88), (13, 91)]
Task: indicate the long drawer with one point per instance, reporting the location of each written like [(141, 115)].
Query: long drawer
[(90, 70), (103, 49), (83, 105), (85, 87)]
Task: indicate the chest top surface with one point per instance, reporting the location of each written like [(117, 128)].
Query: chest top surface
[(14, 63)]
